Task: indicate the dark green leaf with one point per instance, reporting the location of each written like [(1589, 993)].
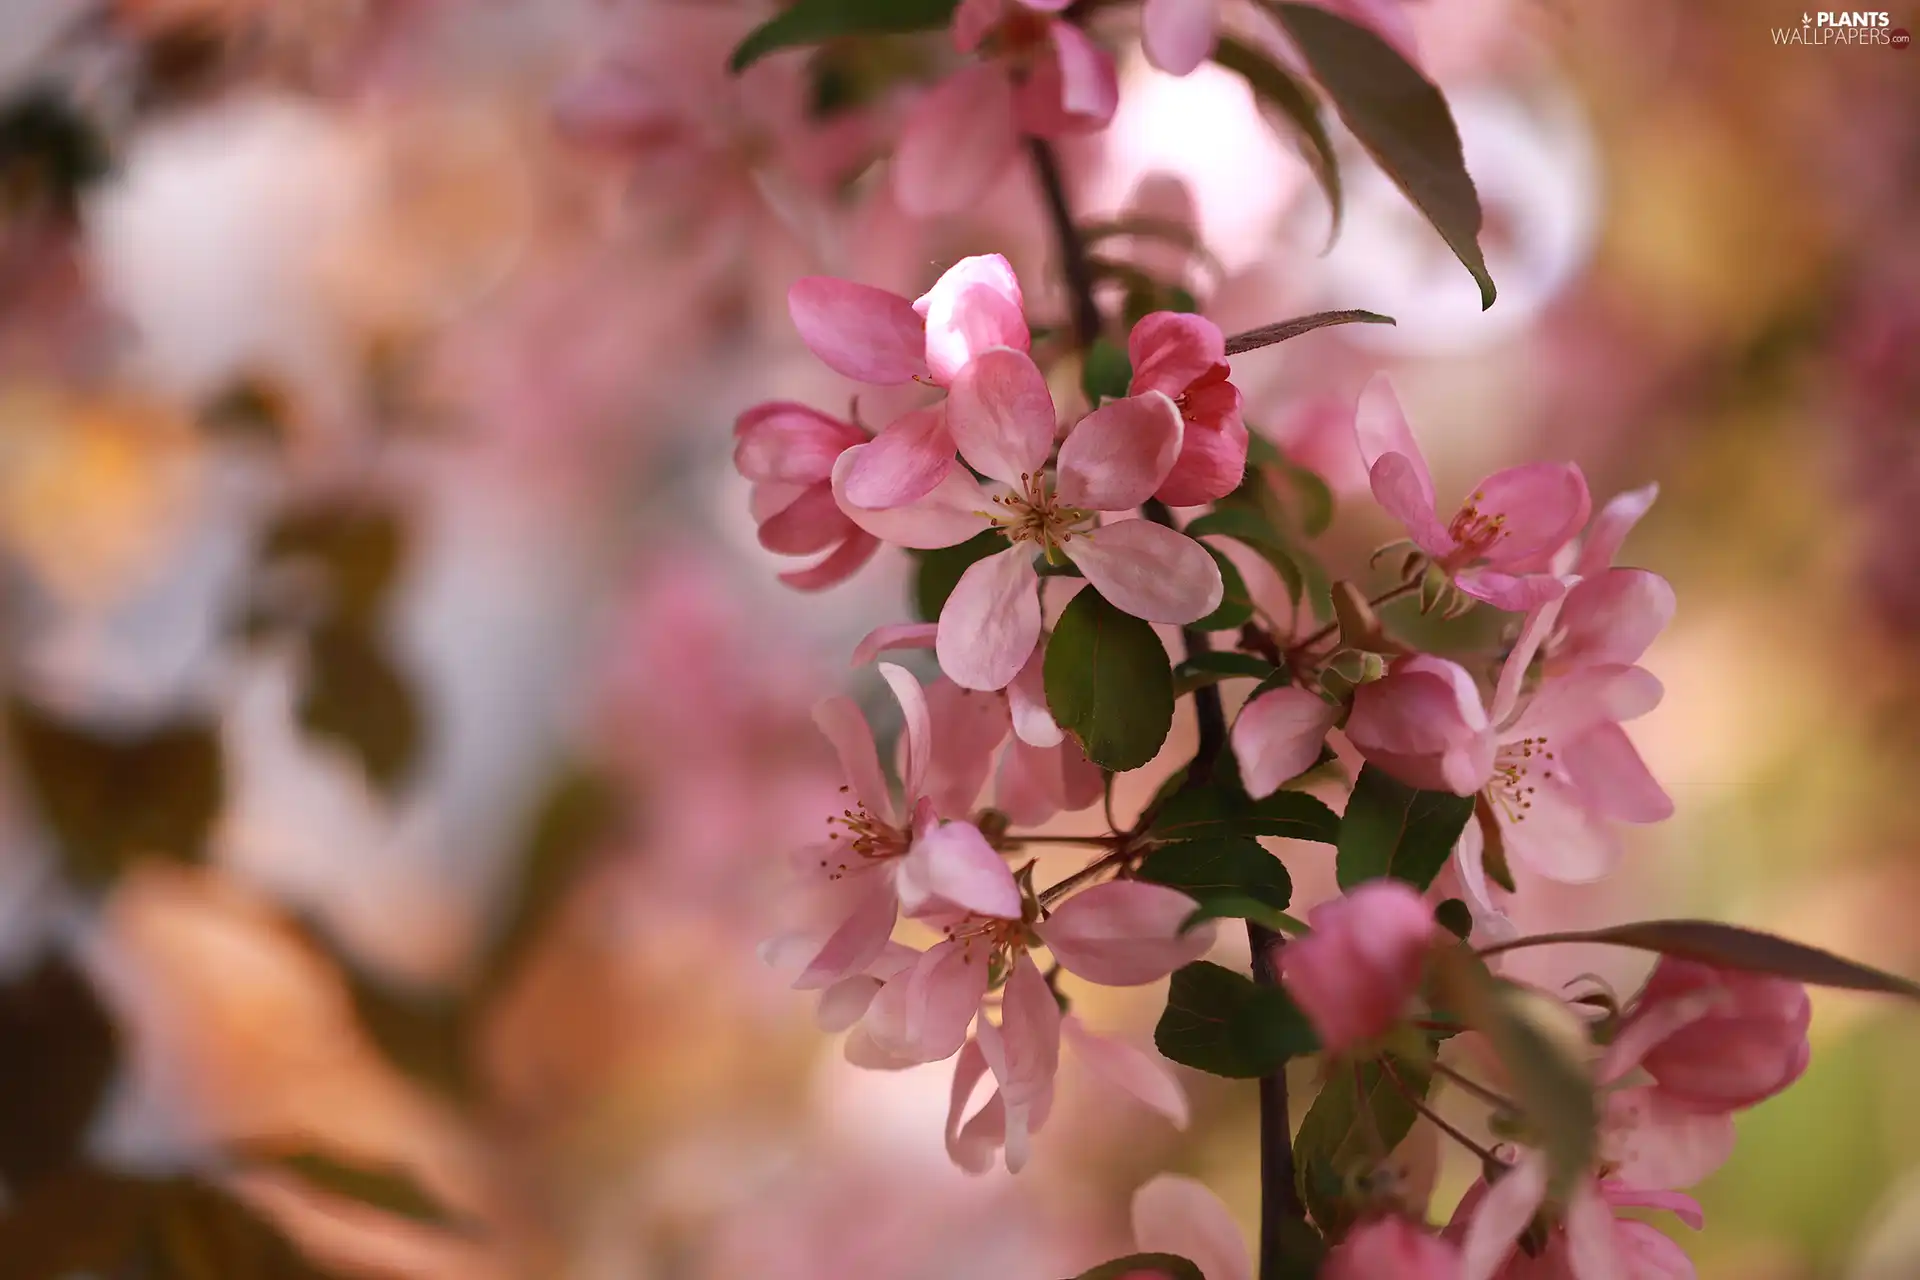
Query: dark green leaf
[(50, 152), (1400, 118), (358, 547), (1202, 669), (1236, 603), (938, 572), (1277, 88), (1108, 373), (356, 696), (568, 828), (1109, 683), (1169, 1265), (1235, 907), (815, 21), (58, 1050), (1313, 500), (1221, 866), (1455, 917), (1219, 1022), (1354, 1124), (1301, 1250), (1732, 947), (1202, 812), (110, 797), (1245, 524), (1392, 829), (1268, 335), (385, 1187)]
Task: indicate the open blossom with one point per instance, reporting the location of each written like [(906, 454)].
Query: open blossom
[(1500, 543), (1184, 357), (1355, 972), (1392, 1248), (1745, 1041), (1587, 1242), (1002, 418), (787, 450), (1036, 75)]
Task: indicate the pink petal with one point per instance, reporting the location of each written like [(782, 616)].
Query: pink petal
[(894, 635), (1213, 453), (974, 20), (923, 1014), (1029, 1034), (845, 726), (1540, 506), (906, 460), (1613, 618), (845, 1002), (1001, 415), (1179, 34), (1172, 350), (1071, 88), (1424, 724), (1592, 1252), (972, 1147), (1611, 527), (1652, 1026), (864, 333), (1684, 1207), (1124, 933), (1380, 427), (1116, 456), (953, 867), (957, 142), (1567, 706), (991, 622), (1401, 488), (1649, 1255), (1029, 788), (1511, 592), (953, 512), (973, 307), (1559, 837), (1023, 1118), (968, 727), (918, 738), (1177, 1215), (1653, 1141), (1513, 672), (790, 443), (1278, 736), (1144, 1076), (1149, 570), (861, 937), (838, 566), (1033, 723), (811, 522), (1504, 1211), (1612, 778)]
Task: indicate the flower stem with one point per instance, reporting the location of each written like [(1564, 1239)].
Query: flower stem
[(1440, 1124), (1073, 250), (1385, 597), (1475, 1088)]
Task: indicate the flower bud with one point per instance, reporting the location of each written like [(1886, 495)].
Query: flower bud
[(1750, 1045), (1392, 1249), (1354, 974)]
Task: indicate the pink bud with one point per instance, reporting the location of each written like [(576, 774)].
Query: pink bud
[(1392, 1249), (1355, 972), (1748, 1047)]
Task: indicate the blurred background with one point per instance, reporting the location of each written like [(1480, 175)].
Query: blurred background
[(406, 731)]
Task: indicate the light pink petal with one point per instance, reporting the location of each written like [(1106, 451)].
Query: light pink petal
[(1613, 618), (973, 307), (1029, 1033), (1513, 672), (1612, 778), (1380, 428), (1213, 453), (1028, 787), (1469, 860), (953, 867), (1397, 484), (1515, 593), (1559, 837), (1124, 933), (845, 726), (1567, 706), (864, 333), (1624, 1196), (1149, 570), (1116, 456), (1649, 1255), (1653, 1026), (837, 567), (1540, 507), (1504, 1211), (894, 635), (1278, 736), (973, 1156), (1023, 1118), (865, 1052), (1001, 415), (811, 522), (1611, 527), (861, 937), (957, 142), (1177, 1215), (1653, 1141), (918, 739), (974, 20), (904, 462), (845, 1002), (790, 443), (924, 1013), (951, 513), (1143, 1075), (991, 622), (1171, 350), (1592, 1252), (968, 727), (1424, 724), (1071, 88), (1027, 704), (1179, 34)]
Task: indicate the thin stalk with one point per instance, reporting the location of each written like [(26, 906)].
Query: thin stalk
[(1427, 1111), (1474, 1087), (1385, 597)]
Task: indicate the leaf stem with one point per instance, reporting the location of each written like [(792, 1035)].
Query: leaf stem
[(1474, 1087), (1444, 1126), (1536, 940)]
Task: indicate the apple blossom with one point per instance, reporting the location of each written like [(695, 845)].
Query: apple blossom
[(1392, 1248), (787, 450), (1354, 974), (1184, 357), (1747, 1042), (1587, 1241)]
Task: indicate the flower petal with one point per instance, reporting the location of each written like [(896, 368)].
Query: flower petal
[(789, 443), (991, 621), (952, 512), (1001, 415), (917, 741), (1172, 350), (952, 866), (1612, 778), (864, 333), (910, 456), (1029, 1035), (1653, 1141), (1072, 87), (1397, 483), (1559, 837), (1540, 507), (1424, 724), (1033, 721), (969, 1148), (1116, 456), (1513, 672), (973, 307), (1515, 593), (1380, 428), (1592, 1251), (811, 522), (1213, 452), (1612, 618), (1611, 527), (1177, 1215), (859, 940), (1149, 570), (1124, 933), (1278, 736), (1504, 1211), (1684, 1207), (957, 142), (842, 563), (1137, 1072), (968, 727), (1567, 706), (1179, 34), (845, 726), (894, 635), (923, 1014)]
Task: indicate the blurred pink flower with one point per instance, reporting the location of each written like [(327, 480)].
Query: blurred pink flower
[(1181, 1216), (787, 451), (1354, 973), (1392, 1248), (1745, 1041), (1184, 357), (1587, 1242)]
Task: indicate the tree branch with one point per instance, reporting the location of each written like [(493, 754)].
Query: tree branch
[(1073, 250)]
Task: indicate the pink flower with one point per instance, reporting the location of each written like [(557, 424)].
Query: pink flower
[(1746, 1042), (1038, 76), (1424, 723), (1392, 1248), (1278, 735), (1649, 1137), (1497, 546), (1177, 1215), (1587, 1242), (1185, 358), (1354, 973), (1002, 418), (788, 450), (1124, 933), (1610, 615)]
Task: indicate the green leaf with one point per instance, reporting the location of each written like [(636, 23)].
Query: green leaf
[(1276, 87), (1236, 603), (1202, 669), (1221, 866), (1455, 917), (1169, 1265), (1210, 811), (108, 798), (938, 572), (60, 1054), (1108, 373), (1354, 1124), (1267, 335), (815, 21), (1245, 524), (1219, 1022), (360, 548), (1109, 683), (1732, 947), (1391, 829), (1313, 499), (385, 1187), (569, 826), (1235, 907), (356, 696), (1402, 120), (1301, 1251)]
